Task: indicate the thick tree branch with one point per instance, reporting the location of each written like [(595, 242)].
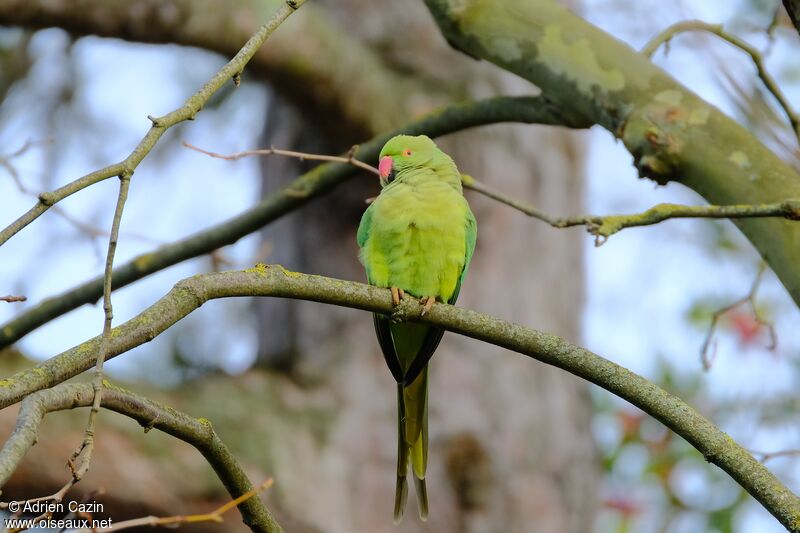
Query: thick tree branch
[(671, 132), (197, 432), (188, 295), (319, 181), (317, 75), (769, 82), (190, 108)]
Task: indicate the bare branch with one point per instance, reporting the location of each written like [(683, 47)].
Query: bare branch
[(768, 456), (302, 156), (82, 457), (197, 432), (12, 298), (716, 29), (5, 161), (706, 353), (173, 521), (188, 111), (189, 294)]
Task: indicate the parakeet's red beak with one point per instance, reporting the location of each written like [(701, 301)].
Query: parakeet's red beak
[(385, 166)]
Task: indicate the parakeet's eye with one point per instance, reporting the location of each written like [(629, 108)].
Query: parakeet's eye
[(406, 152)]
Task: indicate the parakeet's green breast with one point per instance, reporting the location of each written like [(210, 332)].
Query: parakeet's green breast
[(417, 240)]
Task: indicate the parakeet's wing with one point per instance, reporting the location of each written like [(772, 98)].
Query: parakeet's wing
[(472, 237), (381, 322), (362, 235), (387, 346), (434, 335)]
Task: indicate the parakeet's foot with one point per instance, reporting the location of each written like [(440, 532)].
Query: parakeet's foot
[(427, 302), (397, 295), (398, 315)]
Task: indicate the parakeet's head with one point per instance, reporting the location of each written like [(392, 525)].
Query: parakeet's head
[(402, 153)]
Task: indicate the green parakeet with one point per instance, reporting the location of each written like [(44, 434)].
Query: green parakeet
[(417, 237)]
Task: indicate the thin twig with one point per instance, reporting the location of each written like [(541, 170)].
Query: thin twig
[(716, 29), (707, 354), (350, 159), (160, 125), (5, 161), (82, 456), (12, 298), (90, 232), (768, 456), (176, 520), (55, 498), (601, 227)]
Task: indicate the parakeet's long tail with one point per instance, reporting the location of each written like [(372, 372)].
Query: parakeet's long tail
[(412, 444)]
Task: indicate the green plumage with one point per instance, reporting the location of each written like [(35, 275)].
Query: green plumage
[(418, 235)]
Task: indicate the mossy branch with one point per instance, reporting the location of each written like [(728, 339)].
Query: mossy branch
[(769, 82), (193, 105), (317, 182), (671, 132), (604, 226), (150, 414), (275, 281)]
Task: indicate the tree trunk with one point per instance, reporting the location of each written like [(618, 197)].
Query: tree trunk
[(511, 448)]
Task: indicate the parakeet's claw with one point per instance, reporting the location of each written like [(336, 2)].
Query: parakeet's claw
[(427, 302), (397, 295), (398, 316)]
